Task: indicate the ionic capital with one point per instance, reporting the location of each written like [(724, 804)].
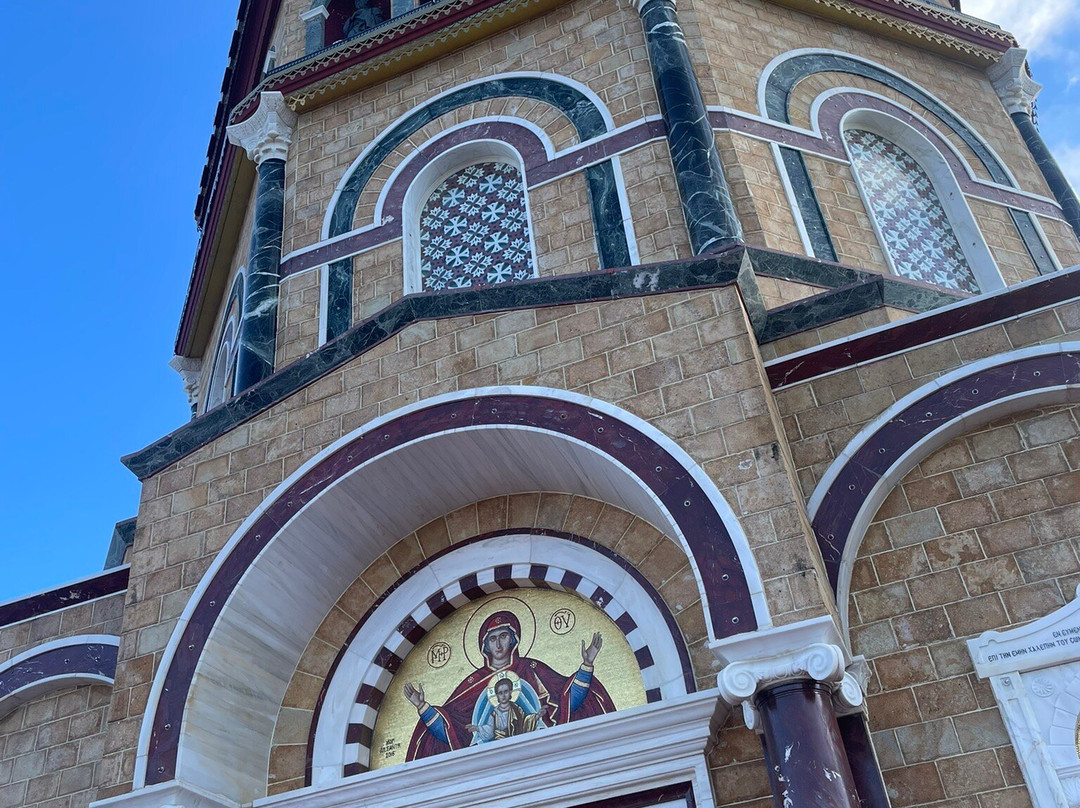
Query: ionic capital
[(1013, 84), (821, 662), (268, 133), (190, 370), (850, 695), (811, 649)]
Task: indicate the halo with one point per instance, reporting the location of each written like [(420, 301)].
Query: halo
[(502, 603)]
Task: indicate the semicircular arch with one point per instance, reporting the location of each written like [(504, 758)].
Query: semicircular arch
[(71, 661), (873, 463), (507, 562), (258, 605)]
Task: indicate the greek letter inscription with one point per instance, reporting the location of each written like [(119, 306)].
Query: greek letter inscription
[(1062, 638), (562, 621), (438, 655)]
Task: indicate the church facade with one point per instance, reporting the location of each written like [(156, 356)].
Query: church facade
[(596, 404)]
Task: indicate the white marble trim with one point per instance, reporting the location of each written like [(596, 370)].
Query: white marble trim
[(619, 753)]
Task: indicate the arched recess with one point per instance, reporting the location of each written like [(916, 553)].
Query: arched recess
[(854, 486), (968, 238), (505, 561), (581, 106), (775, 87), (442, 163), (220, 384), (251, 616), (81, 660)]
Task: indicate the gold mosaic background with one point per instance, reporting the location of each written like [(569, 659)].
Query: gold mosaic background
[(561, 621)]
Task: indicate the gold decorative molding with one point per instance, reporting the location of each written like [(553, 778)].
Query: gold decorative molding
[(895, 27), (396, 60)]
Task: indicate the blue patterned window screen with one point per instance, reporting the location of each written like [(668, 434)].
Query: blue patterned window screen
[(474, 229), (913, 224)]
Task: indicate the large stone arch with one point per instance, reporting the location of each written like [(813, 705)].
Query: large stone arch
[(855, 485), (249, 620)]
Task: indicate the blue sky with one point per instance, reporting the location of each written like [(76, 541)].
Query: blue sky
[(106, 116)]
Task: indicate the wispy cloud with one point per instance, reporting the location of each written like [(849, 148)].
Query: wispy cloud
[(1037, 26), (1068, 157)]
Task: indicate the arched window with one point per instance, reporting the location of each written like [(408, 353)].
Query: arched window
[(926, 229), (223, 372), (474, 229), (468, 221)]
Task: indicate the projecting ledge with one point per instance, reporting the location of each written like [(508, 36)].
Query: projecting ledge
[(619, 753)]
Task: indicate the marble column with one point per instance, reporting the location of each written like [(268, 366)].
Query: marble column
[(786, 680), (706, 199), (266, 137), (1017, 91), (849, 704)]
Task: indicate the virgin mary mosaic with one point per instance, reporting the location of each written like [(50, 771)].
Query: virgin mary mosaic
[(507, 666)]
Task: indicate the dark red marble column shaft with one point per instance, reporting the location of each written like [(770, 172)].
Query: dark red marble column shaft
[(808, 767), (863, 761)]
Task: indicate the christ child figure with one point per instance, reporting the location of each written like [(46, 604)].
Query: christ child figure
[(506, 718)]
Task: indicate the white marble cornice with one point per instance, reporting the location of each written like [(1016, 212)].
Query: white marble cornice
[(268, 133), (173, 794), (581, 762), (1013, 84), (315, 13)]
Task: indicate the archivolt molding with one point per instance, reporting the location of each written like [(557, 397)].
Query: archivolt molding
[(876, 460), (71, 661), (542, 559), (775, 86), (274, 581)]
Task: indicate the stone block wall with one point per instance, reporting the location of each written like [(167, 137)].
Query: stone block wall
[(101, 616), (51, 748), (684, 362), (980, 536), (600, 45), (822, 415)]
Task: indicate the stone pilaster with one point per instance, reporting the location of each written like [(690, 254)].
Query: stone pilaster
[(1017, 91), (706, 199), (266, 136), (315, 27)]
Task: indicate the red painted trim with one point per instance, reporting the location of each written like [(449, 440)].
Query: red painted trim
[(937, 408), (935, 23), (290, 82), (107, 583), (907, 334), (701, 524)]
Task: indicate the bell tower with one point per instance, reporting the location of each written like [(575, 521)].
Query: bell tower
[(603, 404)]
